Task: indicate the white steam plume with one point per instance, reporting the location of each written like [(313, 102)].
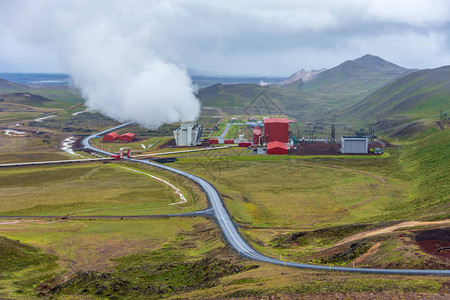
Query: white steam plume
[(114, 53)]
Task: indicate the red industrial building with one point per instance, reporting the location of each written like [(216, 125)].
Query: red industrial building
[(257, 131), (127, 137), (228, 141), (244, 144), (213, 141), (276, 148), (276, 130), (111, 137)]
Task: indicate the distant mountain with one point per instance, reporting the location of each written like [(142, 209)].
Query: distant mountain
[(421, 94), (11, 86), (303, 75), (315, 99), (361, 75)]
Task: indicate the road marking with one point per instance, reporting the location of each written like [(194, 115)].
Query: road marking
[(177, 190)]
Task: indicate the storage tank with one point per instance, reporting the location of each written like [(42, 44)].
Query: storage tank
[(276, 130), (257, 131)]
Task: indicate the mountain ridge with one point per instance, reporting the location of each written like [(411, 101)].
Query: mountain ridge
[(415, 95)]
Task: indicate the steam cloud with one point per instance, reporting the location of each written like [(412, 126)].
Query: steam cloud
[(114, 54)]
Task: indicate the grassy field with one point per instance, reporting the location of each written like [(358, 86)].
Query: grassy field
[(150, 259), (92, 189), (31, 147), (135, 146), (292, 192), (290, 207), (328, 198), (83, 246)]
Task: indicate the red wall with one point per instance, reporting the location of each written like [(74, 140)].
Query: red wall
[(276, 129), (276, 148), (213, 141), (244, 144)]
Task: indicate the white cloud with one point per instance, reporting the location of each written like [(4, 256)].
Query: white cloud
[(246, 37), (411, 12), (108, 49)]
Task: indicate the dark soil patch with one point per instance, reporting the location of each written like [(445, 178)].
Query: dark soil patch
[(355, 250), (316, 148), (322, 148), (430, 241), (321, 236)]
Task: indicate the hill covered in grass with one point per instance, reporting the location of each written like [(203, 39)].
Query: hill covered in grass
[(428, 160), (20, 255), (407, 105), (416, 95), (319, 98), (56, 93), (10, 86), (30, 99)]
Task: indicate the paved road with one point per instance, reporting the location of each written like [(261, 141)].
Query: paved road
[(234, 238)]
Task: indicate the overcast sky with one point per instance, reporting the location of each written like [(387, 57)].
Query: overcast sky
[(234, 37)]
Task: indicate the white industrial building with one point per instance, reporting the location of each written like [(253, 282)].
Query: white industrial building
[(188, 134), (354, 145)]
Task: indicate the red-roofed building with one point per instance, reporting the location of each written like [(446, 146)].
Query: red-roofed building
[(127, 137), (276, 148), (111, 137), (276, 130)]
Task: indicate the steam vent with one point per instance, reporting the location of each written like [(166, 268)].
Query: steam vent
[(188, 134)]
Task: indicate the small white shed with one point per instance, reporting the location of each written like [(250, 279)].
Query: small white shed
[(354, 145)]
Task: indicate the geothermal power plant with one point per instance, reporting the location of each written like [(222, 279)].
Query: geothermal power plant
[(267, 136)]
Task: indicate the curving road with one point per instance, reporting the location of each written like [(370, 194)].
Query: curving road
[(234, 238)]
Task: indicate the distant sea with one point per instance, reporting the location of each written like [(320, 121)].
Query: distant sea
[(38, 78), (48, 79)]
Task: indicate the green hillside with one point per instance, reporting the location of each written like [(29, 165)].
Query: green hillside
[(427, 160), (6, 85), (319, 98), (417, 95), (32, 100), (406, 108), (56, 93)]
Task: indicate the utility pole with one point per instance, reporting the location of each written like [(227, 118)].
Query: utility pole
[(333, 133)]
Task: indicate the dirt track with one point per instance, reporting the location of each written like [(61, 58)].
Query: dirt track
[(380, 179), (389, 229)]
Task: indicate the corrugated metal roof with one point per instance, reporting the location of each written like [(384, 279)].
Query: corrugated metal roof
[(276, 148), (128, 134), (112, 136), (275, 120), (272, 145)]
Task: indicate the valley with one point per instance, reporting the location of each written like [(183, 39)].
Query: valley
[(330, 210)]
